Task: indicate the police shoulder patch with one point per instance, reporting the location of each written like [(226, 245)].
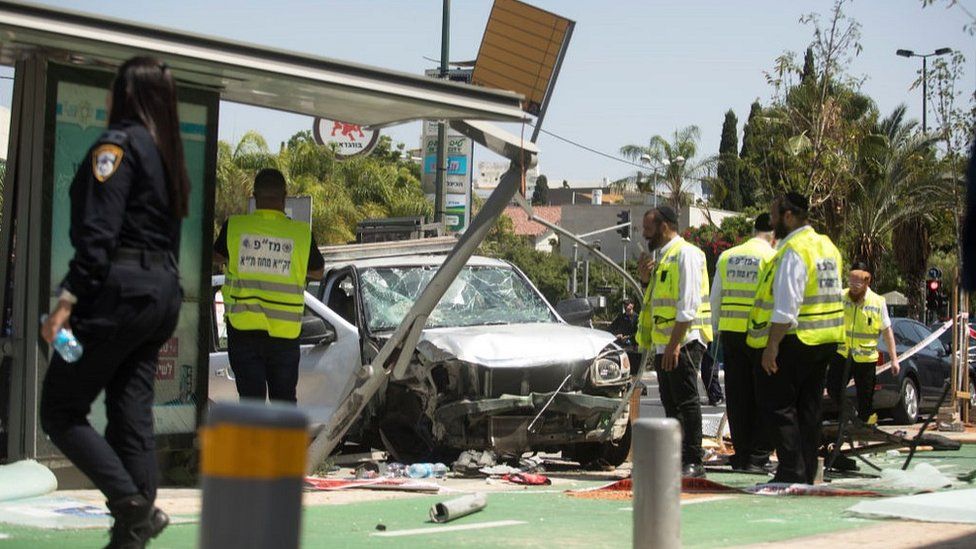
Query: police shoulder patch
[(106, 159)]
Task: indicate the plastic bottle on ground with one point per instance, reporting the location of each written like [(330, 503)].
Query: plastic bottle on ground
[(420, 470)]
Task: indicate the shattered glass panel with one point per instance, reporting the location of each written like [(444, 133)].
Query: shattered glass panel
[(479, 296)]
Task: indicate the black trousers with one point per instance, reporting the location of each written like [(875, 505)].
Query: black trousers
[(709, 376), (750, 435), (263, 365), (864, 381), (121, 331), (679, 395), (791, 402)]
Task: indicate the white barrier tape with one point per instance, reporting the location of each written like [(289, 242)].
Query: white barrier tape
[(918, 347)]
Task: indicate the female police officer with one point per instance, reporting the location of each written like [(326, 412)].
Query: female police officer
[(122, 295)]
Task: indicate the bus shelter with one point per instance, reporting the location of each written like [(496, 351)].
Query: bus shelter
[(64, 62)]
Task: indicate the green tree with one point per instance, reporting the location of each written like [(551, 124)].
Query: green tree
[(540, 195), (728, 162), (673, 162), (894, 186), (748, 177), (809, 75)]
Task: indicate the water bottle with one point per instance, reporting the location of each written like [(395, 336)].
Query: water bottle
[(420, 470), (67, 345), (439, 470), (396, 470)]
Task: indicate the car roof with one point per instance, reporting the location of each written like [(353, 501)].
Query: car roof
[(417, 260)]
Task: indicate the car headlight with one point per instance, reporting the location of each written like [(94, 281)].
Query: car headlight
[(610, 369)]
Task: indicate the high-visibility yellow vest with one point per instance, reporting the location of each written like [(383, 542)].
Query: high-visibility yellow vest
[(821, 316), (264, 288), (862, 327), (739, 269), (657, 317)]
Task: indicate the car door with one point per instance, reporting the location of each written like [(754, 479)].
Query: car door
[(329, 359)]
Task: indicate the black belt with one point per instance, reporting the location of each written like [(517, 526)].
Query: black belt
[(146, 258)]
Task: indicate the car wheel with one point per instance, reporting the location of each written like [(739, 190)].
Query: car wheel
[(906, 411)]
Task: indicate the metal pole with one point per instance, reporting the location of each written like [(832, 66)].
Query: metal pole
[(623, 289), (657, 484), (440, 195), (925, 125), (586, 277), (574, 287)]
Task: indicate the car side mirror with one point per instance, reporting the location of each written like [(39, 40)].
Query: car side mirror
[(576, 311), (316, 332)]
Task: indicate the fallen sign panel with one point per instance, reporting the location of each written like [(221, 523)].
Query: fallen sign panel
[(949, 506)]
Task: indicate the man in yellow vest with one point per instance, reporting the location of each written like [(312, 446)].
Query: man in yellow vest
[(865, 319), (269, 257), (797, 321), (676, 323), (733, 294)]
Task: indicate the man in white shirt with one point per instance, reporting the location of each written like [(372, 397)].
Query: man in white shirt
[(676, 322), (797, 321)]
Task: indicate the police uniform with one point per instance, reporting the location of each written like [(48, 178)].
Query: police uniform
[(125, 280), (733, 295), (800, 287), (268, 258), (676, 293), (863, 323)]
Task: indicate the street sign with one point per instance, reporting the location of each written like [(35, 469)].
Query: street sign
[(935, 272)]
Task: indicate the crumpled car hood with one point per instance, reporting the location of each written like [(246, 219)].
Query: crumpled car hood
[(513, 345)]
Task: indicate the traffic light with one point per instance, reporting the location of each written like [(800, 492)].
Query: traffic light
[(624, 217), (932, 294)]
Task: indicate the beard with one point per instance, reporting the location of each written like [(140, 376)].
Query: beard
[(655, 242), (780, 230)]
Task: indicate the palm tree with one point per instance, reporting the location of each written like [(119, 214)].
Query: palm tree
[(895, 185), (674, 162)]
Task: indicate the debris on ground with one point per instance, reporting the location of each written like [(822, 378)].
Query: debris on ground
[(470, 462), (949, 506), (921, 478), (528, 479), (458, 507), (318, 484)]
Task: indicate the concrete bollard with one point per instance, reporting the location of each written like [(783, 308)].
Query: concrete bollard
[(252, 466), (657, 484)]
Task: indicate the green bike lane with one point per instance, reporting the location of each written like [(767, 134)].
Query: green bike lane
[(540, 518)]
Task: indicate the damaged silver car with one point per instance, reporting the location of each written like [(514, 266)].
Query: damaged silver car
[(496, 366)]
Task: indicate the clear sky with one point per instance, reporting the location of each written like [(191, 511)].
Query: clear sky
[(634, 68)]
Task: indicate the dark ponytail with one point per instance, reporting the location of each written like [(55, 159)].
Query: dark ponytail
[(144, 91)]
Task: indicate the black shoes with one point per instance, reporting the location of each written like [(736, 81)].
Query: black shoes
[(136, 522), (693, 470)]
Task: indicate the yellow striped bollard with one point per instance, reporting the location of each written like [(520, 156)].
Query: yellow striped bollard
[(252, 467)]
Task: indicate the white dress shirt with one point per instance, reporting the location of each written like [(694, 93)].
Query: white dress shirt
[(716, 294), (691, 263), (789, 284)]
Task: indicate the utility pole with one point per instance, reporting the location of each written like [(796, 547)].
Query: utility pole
[(440, 194)]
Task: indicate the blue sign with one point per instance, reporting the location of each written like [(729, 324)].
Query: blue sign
[(456, 165)]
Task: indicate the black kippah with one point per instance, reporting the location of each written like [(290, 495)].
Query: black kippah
[(667, 213), (797, 201), (763, 224)]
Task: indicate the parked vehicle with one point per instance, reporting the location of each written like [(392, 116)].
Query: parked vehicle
[(494, 359), (920, 383)]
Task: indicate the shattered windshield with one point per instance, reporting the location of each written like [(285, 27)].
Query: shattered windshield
[(479, 295)]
